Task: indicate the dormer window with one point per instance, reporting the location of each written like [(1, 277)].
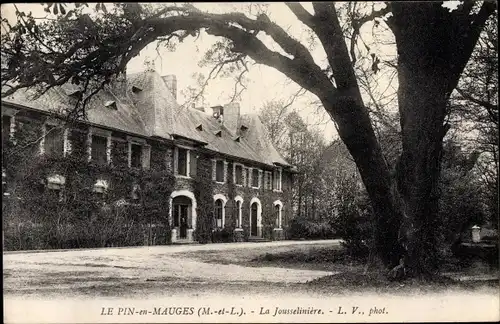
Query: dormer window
[(136, 89), (243, 128), (237, 139), (199, 127), (218, 133), (111, 104), (75, 93)]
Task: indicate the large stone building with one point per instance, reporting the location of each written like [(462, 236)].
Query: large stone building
[(250, 181)]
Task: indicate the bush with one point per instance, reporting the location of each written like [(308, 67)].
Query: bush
[(355, 227), (224, 235), (301, 228)]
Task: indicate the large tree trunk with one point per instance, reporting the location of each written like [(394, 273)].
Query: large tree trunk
[(422, 104), (424, 88)]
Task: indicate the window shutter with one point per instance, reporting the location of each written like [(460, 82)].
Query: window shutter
[(214, 166), (225, 172), (175, 164), (193, 164), (146, 156)]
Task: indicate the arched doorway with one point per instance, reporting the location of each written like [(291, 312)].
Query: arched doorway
[(238, 204), (278, 214), (255, 217), (182, 215), (219, 219)]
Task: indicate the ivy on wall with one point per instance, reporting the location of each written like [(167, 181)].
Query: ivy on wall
[(36, 217), (203, 189)]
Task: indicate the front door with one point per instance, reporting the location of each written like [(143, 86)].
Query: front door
[(253, 220), (183, 211), (181, 219)]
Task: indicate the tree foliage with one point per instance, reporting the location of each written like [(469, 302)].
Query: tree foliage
[(433, 43)]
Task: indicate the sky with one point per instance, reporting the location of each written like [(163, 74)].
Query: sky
[(264, 83)]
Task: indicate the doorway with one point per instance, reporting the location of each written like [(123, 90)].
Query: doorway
[(253, 219), (181, 206)]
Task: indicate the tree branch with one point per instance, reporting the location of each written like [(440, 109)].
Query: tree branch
[(468, 42), (490, 108), (302, 14)]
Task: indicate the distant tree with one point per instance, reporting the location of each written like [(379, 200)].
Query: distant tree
[(474, 111), (302, 147)]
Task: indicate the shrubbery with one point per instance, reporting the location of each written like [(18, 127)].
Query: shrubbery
[(354, 226), (224, 235), (302, 228)]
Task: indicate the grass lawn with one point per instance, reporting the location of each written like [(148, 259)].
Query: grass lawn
[(349, 274)]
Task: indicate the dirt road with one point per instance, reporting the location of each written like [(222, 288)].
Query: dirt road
[(157, 270)]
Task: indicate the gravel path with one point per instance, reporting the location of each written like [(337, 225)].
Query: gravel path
[(78, 269)]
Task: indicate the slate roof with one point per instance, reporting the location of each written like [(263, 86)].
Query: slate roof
[(154, 112)]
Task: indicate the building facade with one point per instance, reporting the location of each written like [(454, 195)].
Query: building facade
[(221, 174)]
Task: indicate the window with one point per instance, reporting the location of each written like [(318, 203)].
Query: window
[(238, 174), (277, 179), (99, 145), (139, 154), (182, 161), (99, 149), (135, 155), (277, 213), (268, 180), (218, 213), (238, 213), (219, 171), (255, 178), (53, 141)]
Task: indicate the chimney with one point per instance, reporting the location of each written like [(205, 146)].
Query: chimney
[(171, 83), (218, 114), (232, 117), (119, 85)]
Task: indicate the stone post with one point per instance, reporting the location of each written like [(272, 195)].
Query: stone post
[(476, 237), (190, 234), (174, 235)]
